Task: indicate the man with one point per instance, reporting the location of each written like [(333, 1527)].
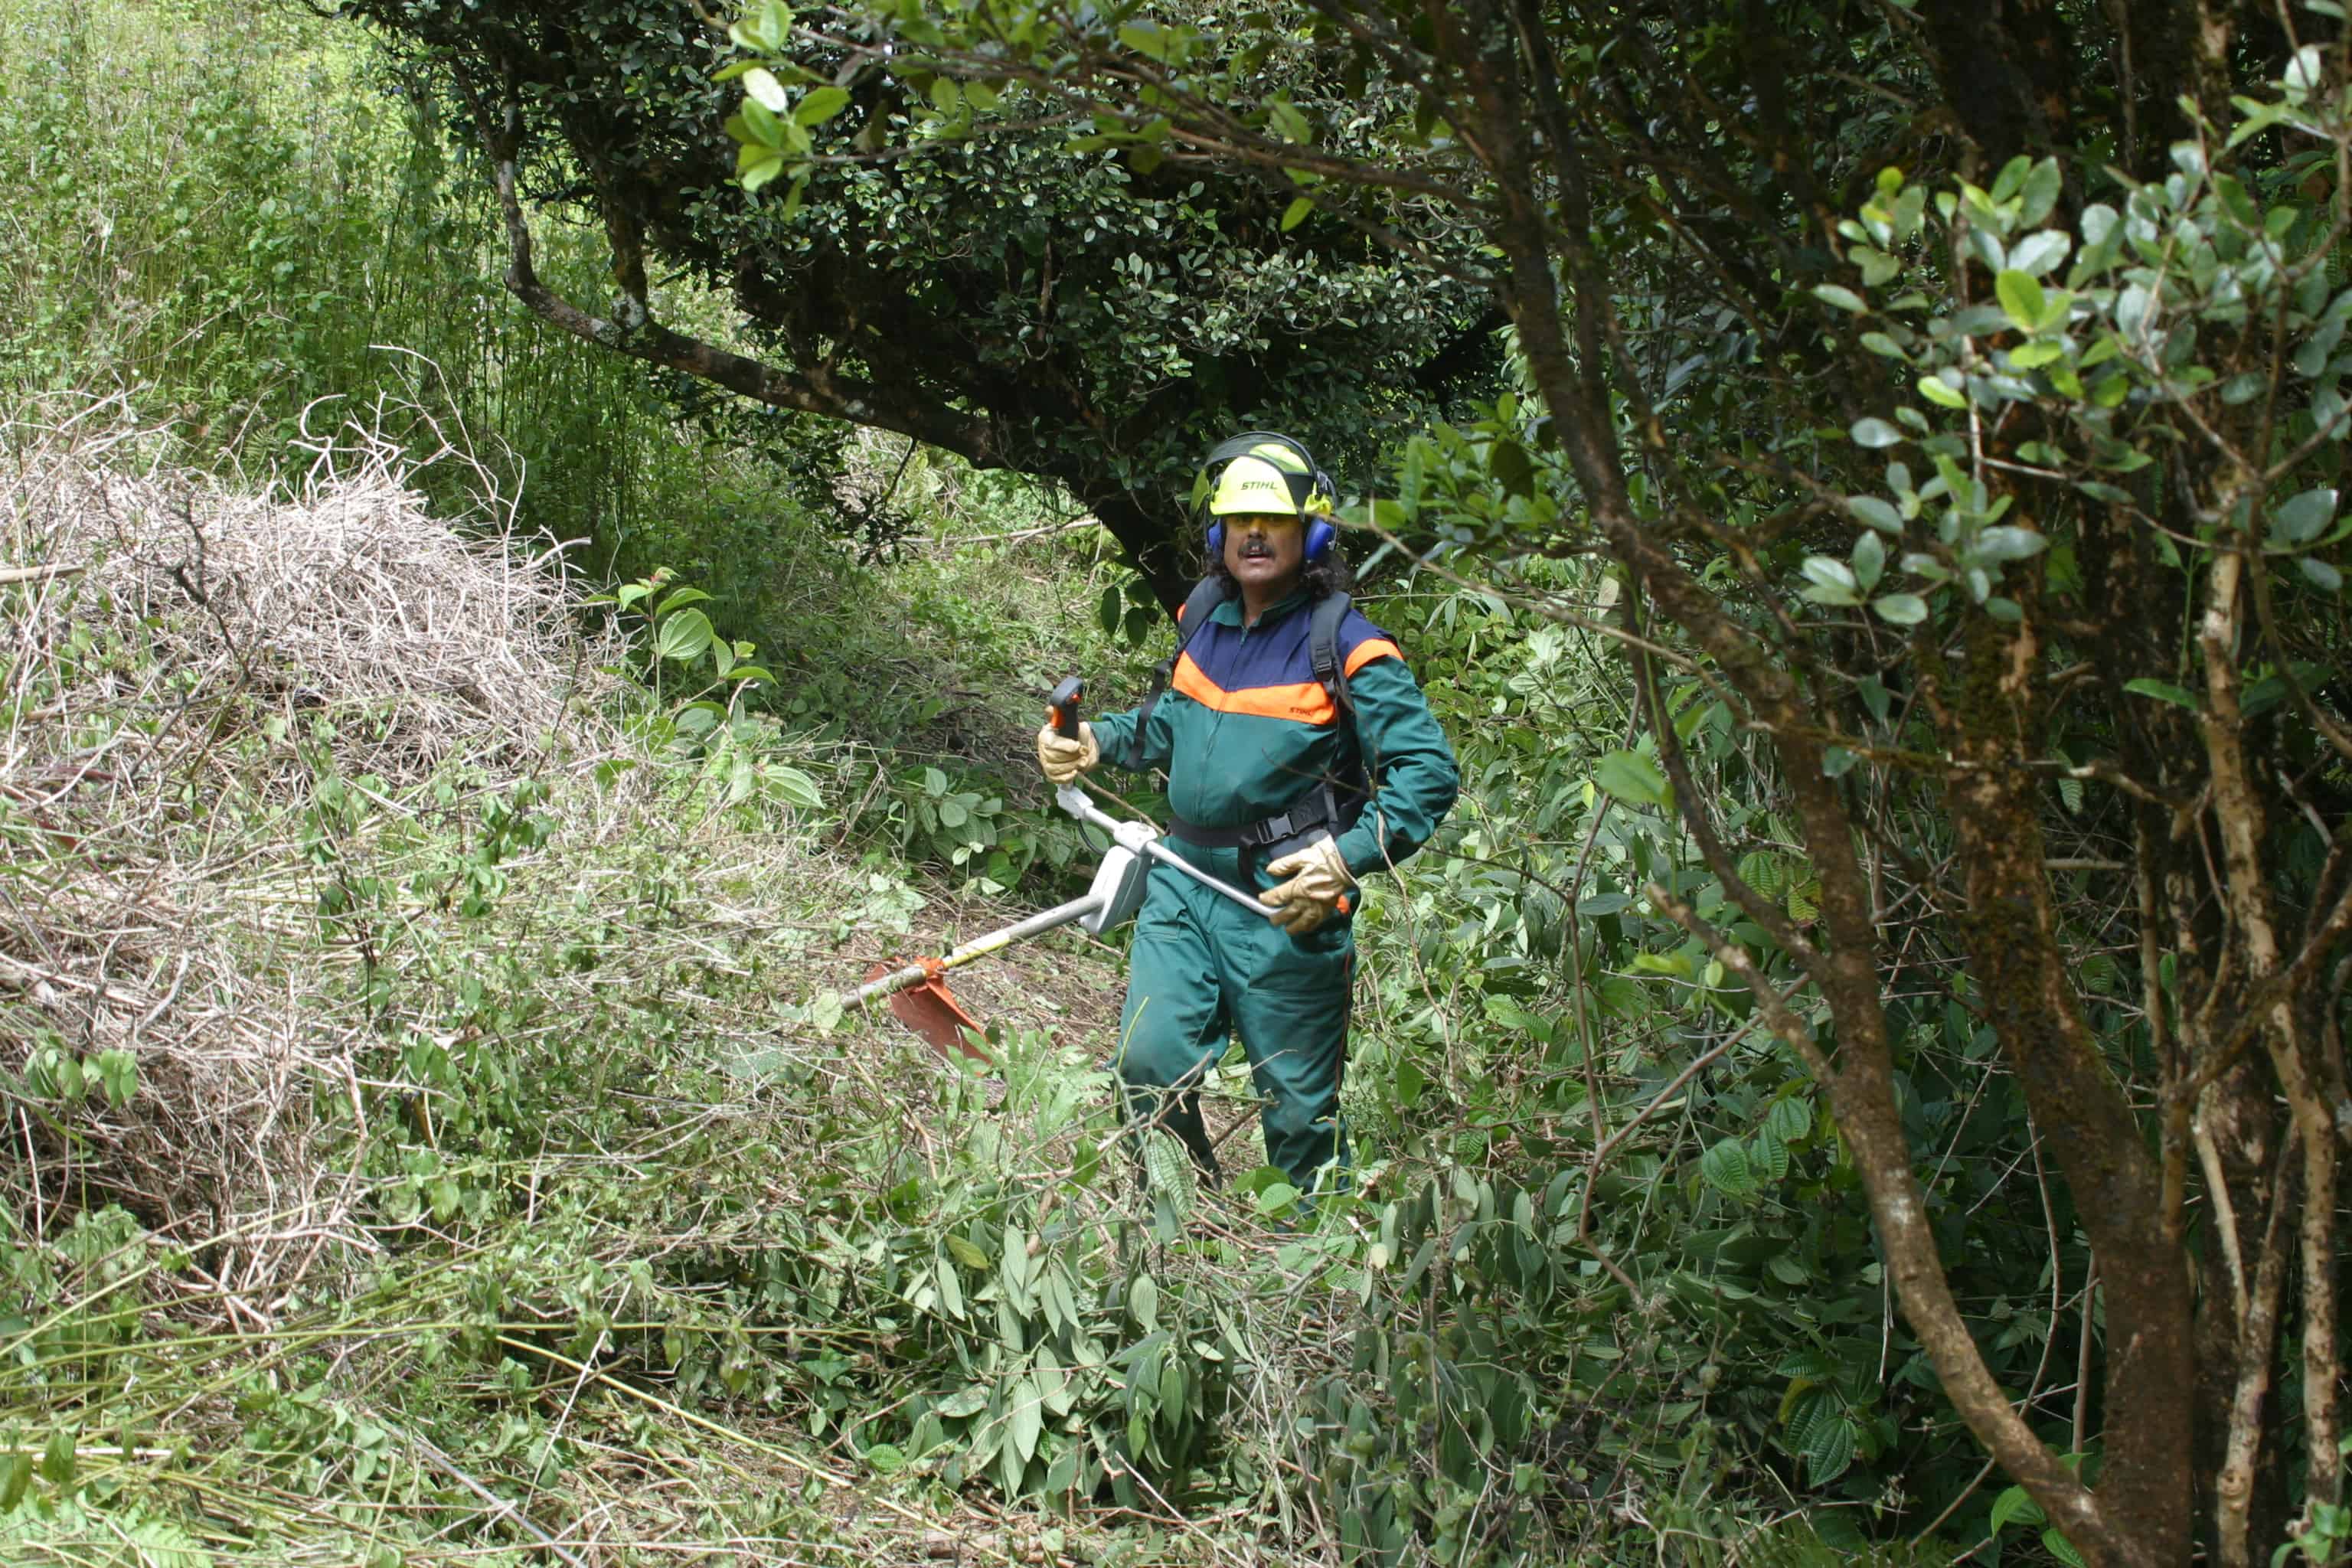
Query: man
[(1274, 788)]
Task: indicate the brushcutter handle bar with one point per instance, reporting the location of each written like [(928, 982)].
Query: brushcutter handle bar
[(1062, 712), (1144, 839)]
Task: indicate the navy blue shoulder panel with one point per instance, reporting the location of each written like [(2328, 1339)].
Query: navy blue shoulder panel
[(1357, 630)]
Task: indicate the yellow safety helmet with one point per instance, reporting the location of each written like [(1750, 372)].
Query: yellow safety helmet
[(1263, 471)]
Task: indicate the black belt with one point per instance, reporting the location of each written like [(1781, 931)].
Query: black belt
[(1322, 809)]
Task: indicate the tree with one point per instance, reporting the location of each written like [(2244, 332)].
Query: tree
[(1957, 387), (954, 273)]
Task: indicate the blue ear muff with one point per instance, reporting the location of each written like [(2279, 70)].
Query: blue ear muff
[(1320, 535)]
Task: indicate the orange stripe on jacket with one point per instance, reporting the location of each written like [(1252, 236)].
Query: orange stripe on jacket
[(1369, 649), (1304, 703)]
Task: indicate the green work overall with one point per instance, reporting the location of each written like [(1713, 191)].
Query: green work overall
[(1245, 732)]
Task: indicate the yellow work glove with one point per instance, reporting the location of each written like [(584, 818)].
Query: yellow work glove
[(1061, 760), (1319, 884)]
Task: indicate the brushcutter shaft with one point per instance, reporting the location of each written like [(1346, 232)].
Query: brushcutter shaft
[(979, 947), (1036, 925)]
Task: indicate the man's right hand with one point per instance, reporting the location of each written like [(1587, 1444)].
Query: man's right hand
[(1061, 759)]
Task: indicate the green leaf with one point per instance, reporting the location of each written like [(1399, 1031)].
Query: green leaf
[(1876, 513), (1027, 1421), (2038, 253), (763, 125), (1932, 389), (1143, 1301), (1277, 1198), (1296, 213), (1724, 1168), (2022, 298), (2307, 70), (2163, 691), (118, 1069), (1631, 776), (1830, 1451), (1831, 581), (60, 1462), (1902, 609), (820, 104), (1512, 469), (793, 787), (2010, 544), (683, 636), (1868, 561), (765, 89), (1764, 872), (1842, 299), (2322, 576), (2300, 518), (755, 166), (964, 1251), (2058, 1546), (1874, 432), (1789, 1119), (2042, 187)]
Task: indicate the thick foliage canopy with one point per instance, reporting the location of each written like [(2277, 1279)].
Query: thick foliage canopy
[(967, 281)]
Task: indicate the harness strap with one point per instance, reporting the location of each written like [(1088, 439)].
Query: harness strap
[(1324, 806), (1206, 595), (1321, 809), (1323, 648)]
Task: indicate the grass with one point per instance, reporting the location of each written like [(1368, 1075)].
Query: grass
[(514, 1209)]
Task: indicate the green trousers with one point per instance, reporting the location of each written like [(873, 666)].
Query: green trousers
[(1202, 969)]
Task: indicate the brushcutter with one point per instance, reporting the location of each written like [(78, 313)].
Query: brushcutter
[(918, 995)]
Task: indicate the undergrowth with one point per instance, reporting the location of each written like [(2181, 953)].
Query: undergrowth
[(577, 1219), (432, 1135)]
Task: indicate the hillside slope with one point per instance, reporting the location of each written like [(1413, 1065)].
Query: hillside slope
[(428, 1134)]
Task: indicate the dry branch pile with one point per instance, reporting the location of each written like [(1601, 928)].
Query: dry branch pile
[(180, 659)]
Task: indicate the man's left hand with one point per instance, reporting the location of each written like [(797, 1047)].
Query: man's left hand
[(1319, 884)]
